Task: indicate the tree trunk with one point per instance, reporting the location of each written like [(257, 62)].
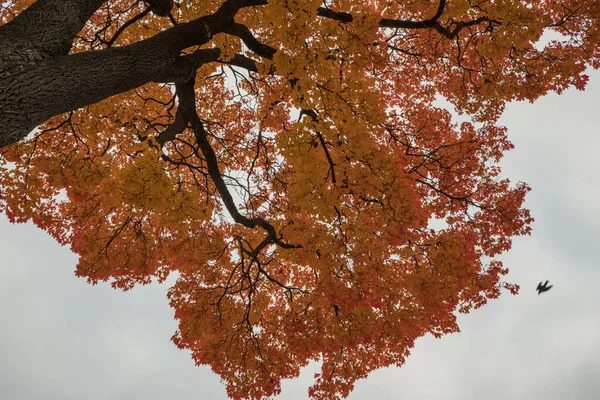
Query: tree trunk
[(39, 79)]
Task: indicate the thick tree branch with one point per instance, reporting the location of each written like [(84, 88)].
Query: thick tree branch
[(203, 56), (161, 7), (432, 22), (428, 23), (451, 34), (197, 59), (386, 22), (228, 10), (45, 29), (65, 83), (249, 40), (255, 3), (187, 102), (177, 127), (46, 87)]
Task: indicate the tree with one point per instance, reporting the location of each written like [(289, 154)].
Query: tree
[(290, 161)]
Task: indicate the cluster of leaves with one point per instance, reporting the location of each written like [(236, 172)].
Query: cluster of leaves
[(298, 198)]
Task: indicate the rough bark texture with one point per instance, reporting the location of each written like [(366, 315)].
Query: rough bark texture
[(38, 79), (161, 7), (44, 30), (66, 82)]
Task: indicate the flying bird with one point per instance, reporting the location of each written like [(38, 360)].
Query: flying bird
[(543, 288)]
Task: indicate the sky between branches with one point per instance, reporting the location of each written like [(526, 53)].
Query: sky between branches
[(61, 338)]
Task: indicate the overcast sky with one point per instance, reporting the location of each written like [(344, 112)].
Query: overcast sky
[(61, 338)]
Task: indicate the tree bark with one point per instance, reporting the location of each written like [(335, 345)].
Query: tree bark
[(44, 30), (39, 79)]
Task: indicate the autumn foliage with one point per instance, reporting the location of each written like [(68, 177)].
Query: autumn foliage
[(305, 181)]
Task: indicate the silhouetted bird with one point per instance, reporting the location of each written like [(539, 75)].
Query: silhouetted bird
[(543, 288)]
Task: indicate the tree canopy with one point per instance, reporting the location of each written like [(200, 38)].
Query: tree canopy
[(295, 163)]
